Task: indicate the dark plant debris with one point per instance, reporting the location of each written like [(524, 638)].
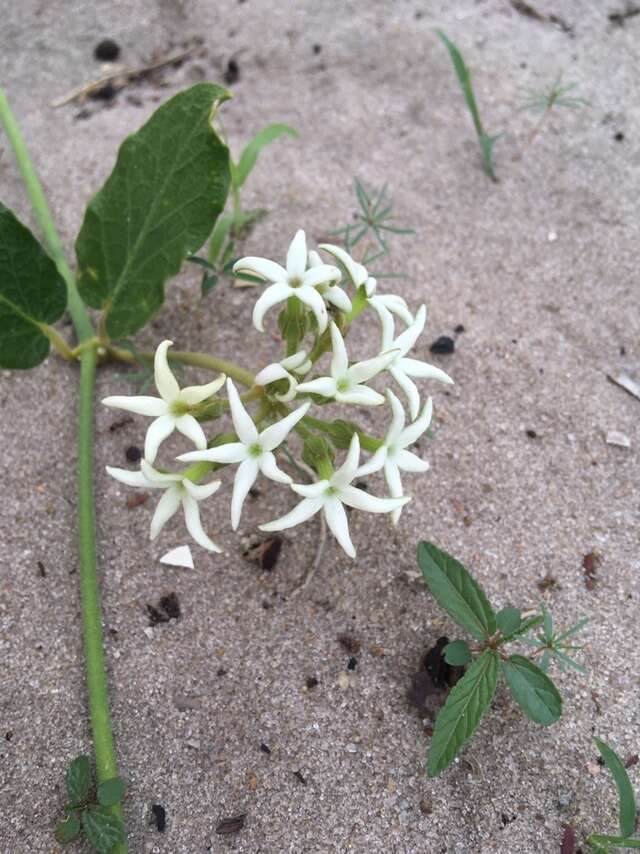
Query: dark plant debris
[(120, 423), (348, 642), (232, 72), (265, 748), (352, 663), (106, 50), (631, 760), (136, 499), (168, 608), (568, 840), (435, 675), (159, 816), (459, 329), (530, 11), (546, 583), (41, 570), (311, 683), (444, 345), (531, 434), (620, 18), (590, 564), (265, 553), (298, 776), (231, 825)]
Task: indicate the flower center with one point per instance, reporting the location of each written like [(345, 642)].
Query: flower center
[(295, 282), (255, 450), (179, 407), (332, 490), (391, 449), (343, 384)]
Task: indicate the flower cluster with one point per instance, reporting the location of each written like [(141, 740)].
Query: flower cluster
[(320, 301)]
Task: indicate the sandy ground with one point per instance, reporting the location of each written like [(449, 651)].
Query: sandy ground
[(546, 319)]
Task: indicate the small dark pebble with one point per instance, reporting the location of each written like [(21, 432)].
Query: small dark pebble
[(506, 819), (160, 816), (133, 454), (619, 136), (317, 48), (532, 434), (546, 582), (631, 760), (311, 682), (443, 345), (106, 51), (459, 329), (623, 350), (352, 663), (298, 776), (221, 672), (42, 570), (105, 93), (82, 114), (349, 642), (255, 492), (265, 748), (232, 72), (8, 735), (231, 825)]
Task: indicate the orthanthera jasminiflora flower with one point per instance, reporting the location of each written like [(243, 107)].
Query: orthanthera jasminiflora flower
[(393, 455), (284, 370), (402, 369), (254, 451), (179, 490), (172, 409), (345, 385), (296, 281), (330, 496)]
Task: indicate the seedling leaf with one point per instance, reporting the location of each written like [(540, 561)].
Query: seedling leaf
[(457, 653), (525, 627), (79, 780), (508, 620), (623, 784), (67, 830), (102, 828), (534, 692), (461, 714), (251, 151), (111, 791), (456, 591), (32, 294)]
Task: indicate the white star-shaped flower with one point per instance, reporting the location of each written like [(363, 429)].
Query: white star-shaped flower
[(392, 455), (179, 490), (345, 385), (254, 451), (383, 304), (402, 369), (295, 281), (330, 496), (172, 409), (296, 364)]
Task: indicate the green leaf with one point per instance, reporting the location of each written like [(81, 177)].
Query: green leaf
[(79, 780), (547, 623), (111, 791), (102, 828), (508, 620), (456, 591), (67, 830), (461, 714), (158, 206), (534, 692), (32, 295), (218, 237), (251, 151), (524, 627), (623, 784), (457, 653)]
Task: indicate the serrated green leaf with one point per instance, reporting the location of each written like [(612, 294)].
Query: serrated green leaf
[(251, 151), (459, 717), (457, 653), (102, 828), (158, 206), (456, 591), (67, 830), (79, 779), (524, 627), (532, 689), (623, 785), (508, 620), (111, 791), (32, 294)]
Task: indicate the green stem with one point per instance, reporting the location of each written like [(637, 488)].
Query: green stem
[(618, 841), (106, 763), (237, 209), (184, 357)]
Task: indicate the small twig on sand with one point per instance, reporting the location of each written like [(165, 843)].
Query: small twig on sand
[(122, 74)]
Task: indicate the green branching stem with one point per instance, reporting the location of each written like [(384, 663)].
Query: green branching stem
[(616, 841), (97, 688), (184, 357)]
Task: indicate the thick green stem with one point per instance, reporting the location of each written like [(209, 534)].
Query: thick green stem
[(617, 841), (184, 357), (106, 763)]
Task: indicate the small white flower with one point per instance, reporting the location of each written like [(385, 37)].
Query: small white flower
[(295, 281), (382, 304), (298, 364), (402, 369), (333, 294), (171, 409), (254, 451), (392, 454), (330, 496), (345, 385), (178, 490)]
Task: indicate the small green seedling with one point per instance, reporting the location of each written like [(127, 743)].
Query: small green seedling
[(461, 596), (463, 74), (99, 818), (543, 101), (627, 805)]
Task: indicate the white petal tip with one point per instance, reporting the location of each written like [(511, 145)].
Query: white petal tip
[(180, 556)]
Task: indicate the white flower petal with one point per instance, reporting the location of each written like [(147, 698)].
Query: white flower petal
[(194, 525), (297, 257), (190, 428), (262, 268), (243, 424), (166, 383), (409, 388), (423, 370), (409, 462), (347, 471), (180, 556), (374, 464), (311, 490), (271, 374), (141, 405), (232, 452), (313, 259), (397, 419), (246, 475), (159, 478), (167, 506), (269, 468), (393, 303), (340, 359), (272, 296), (336, 296), (324, 274), (386, 322), (131, 478), (413, 432), (300, 513), (336, 517), (275, 434), (325, 386), (157, 432), (361, 500), (394, 482), (363, 371), (312, 299), (200, 491), (357, 273), (295, 362), (195, 394), (408, 338), (360, 395)]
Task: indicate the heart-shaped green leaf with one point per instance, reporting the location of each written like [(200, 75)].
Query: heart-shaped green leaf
[(534, 692), (461, 714), (102, 828), (158, 206), (111, 791), (32, 295), (456, 591), (457, 653), (79, 780), (623, 784)]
